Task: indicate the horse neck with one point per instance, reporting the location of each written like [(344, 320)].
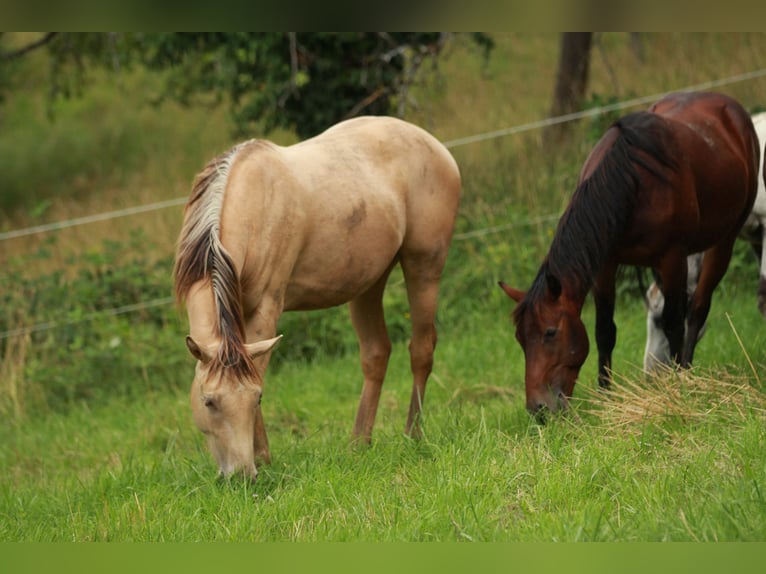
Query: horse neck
[(201, 310), (595, 219)]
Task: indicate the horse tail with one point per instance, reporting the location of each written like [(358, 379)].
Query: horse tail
[(200, 254)]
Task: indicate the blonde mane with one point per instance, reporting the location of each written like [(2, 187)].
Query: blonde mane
[(200, 255)]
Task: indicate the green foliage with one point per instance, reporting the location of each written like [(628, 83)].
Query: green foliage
[(80, 350), (40, 163), (87, 151), (304, 82)]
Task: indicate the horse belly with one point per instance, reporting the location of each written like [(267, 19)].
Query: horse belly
[(331, 274), (723, 209), (707, 202)]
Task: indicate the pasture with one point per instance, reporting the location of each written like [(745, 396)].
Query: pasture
[(98, 443)]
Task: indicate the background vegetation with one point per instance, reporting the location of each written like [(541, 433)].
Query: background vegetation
[(97, 441)]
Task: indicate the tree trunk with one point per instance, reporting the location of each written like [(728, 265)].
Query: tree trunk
[(571, 80)]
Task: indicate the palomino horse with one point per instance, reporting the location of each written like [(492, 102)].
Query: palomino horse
[(657, 351), (269, 229), (660, 184)]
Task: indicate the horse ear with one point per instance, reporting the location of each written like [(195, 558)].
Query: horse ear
[(554, 285), (514, 294), (195, 350), (261, 347)]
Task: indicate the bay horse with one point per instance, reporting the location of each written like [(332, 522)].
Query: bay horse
[(656, 351), (320, 223), (676, 179)]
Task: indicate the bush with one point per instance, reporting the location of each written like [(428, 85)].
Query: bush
[(86, 342)]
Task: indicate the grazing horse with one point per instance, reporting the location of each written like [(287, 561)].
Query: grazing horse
[(660, 184), (657, 351), (317, 224)]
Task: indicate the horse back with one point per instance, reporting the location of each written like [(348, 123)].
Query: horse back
[(718, 128), (320, 221), (716, 182), (707, 186)]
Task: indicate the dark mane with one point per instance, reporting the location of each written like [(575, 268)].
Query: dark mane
[(601, 206), (200, 255)]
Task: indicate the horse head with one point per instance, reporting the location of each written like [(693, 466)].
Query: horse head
[(555, 345), (225, 399)]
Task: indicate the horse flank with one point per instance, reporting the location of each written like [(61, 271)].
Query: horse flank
[(601, 207), (201, 255)]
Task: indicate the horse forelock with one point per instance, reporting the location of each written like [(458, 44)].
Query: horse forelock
[(535, 295), (234, 360), (201, 255)]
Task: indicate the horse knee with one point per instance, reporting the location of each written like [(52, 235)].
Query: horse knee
[(375, 359), (606, 335), (422, 348)]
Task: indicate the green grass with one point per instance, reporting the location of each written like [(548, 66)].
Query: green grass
[(136, 469)]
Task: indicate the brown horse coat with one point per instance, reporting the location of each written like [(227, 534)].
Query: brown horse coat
[(659, 185)]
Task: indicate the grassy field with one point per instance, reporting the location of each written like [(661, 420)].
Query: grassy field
[(677, 458), (98, 443)]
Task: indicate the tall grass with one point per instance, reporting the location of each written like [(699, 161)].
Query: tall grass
[(137, 470), (98, 443)]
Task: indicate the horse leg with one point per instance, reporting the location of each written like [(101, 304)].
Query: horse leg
[(262, 324), (758, 249), (422, 275), (754, 232), (714, 266), (261, 451), (606, 330), (369, 323), (673, 273), (673, 316)]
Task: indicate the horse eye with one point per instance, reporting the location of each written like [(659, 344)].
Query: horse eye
[(549, 334), (210, 403)]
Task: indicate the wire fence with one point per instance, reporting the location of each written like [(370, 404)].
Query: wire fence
[(476, 138), (59, 225)]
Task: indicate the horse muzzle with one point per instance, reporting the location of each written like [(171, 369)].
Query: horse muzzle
[(248, 472), (547, 403)]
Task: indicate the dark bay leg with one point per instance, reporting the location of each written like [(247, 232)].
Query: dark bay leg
[(606, 330)]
